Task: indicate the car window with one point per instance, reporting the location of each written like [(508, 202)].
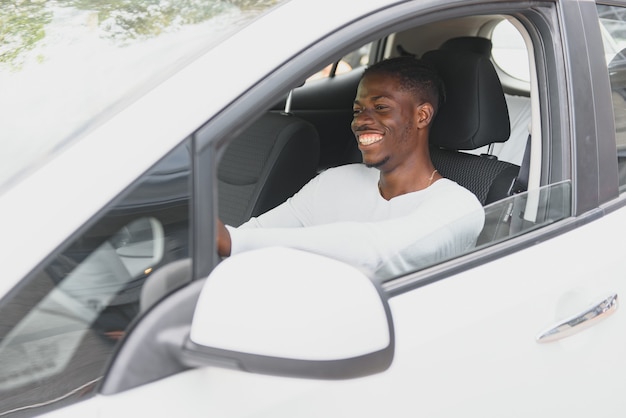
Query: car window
[(59, 329), (509, 51), (67, 65), (355, 59), (524, 212), (613, 24)]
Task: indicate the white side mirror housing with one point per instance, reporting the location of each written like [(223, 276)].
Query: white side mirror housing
[(287, 312)]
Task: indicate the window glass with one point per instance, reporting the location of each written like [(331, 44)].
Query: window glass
[(64, 64), (59, 329), (524, 212), (613, 25), (354, 59), (514, 216), (509, 51)]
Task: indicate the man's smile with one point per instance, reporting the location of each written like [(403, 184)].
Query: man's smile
[(369, 139)]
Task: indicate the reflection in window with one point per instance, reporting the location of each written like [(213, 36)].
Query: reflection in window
[(355, 59), (59, 329), (66, 63)]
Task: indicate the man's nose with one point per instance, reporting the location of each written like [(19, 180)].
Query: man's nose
[(364, 117)]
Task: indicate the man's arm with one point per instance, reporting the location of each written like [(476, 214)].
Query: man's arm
[(290, 214), (431, 232)]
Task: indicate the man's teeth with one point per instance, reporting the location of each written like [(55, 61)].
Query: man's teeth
[(369, 139)]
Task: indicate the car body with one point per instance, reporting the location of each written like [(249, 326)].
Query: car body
[(113, 298)]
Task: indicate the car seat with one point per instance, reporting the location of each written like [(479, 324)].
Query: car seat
[(269, 162), (519, 106), (474, 114)]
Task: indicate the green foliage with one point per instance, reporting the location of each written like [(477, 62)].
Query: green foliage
[(131, 19), (23, 22), (21, 27)]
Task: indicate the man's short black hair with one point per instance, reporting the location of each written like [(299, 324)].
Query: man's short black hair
[(415, 75)]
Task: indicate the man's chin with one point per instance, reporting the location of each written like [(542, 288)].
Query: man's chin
[(376, 164)]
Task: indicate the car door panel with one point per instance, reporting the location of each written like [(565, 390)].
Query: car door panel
[(483, 343), (465, 346)]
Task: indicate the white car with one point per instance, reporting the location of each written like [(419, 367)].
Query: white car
[(128, 128)]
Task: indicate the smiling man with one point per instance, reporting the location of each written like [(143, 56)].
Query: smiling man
[(392, 214), (395, 105)]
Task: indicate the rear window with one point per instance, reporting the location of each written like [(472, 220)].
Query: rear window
[(509, 51)]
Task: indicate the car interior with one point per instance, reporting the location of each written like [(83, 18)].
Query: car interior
[(480, 139)]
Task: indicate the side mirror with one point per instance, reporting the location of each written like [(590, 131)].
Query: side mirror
[(286, 312), (140, 245)]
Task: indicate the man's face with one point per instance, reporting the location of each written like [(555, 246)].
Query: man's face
[(384, 121)]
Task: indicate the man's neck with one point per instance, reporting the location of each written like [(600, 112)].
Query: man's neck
[(401, 181)]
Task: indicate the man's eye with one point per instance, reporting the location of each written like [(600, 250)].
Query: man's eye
[(381, 107), (356, 112)]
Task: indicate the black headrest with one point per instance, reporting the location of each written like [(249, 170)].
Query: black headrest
[(476, 44), (475, 112)]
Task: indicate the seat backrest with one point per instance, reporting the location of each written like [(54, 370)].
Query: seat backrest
[(474, 115), (265, 165)]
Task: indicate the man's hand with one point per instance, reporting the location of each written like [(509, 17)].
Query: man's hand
[(223, 240)]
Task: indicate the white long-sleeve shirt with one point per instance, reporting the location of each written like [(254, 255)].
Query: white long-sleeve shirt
[(341, 214)]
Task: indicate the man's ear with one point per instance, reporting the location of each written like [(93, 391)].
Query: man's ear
[(425, 114)]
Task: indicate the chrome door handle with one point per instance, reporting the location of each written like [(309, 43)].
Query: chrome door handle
[(580, 322)]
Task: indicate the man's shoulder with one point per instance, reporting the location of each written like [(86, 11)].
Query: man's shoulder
[(453, 191), (447, 184)]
